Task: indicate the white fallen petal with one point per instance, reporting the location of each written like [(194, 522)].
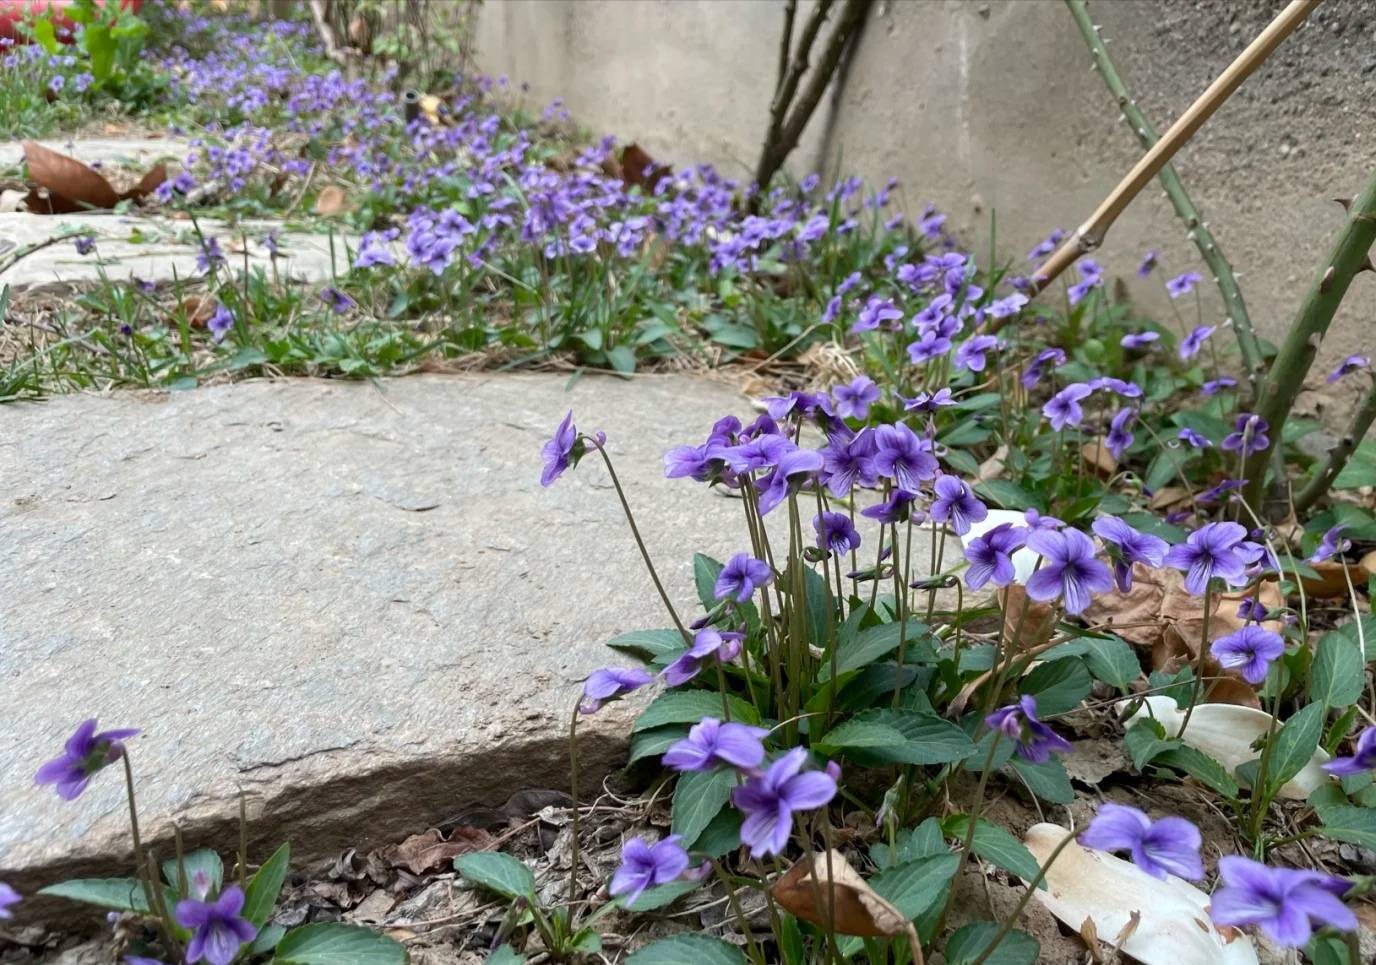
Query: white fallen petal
[(1226, 732), (1024, 560), (1174, 926)]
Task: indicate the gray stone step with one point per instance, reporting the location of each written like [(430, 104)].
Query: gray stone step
[(139, 153)]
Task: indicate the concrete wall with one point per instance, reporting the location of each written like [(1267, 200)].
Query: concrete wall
[(991, 105)]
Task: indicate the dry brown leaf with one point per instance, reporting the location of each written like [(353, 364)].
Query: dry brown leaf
[(1097, 458), (638, 168), (1090, 936), (149, 183), (424, 852), (198, 309), (71, 185), (1025, 632), (332, 200), (1170, 497), (1158, 612), (1331, 581), (855, 907), (1368, 564)]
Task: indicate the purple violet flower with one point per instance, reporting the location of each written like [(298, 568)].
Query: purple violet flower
[(1284, 903), (1249, 435), (710, 743), (1069, 569), (769, 801), (991, 556), (1036, 520), (707, 642), (923, 402), (1169, 846), (836, 533), (1362, 760), (955, 502), (1347, 366), (338, 301), (741, 576), (8, 899), (1331, 545), (1053, 357), (1193, 342), (1138, 340), (220, 323), (1249, 650), (1183, 284), (558, 452), (646, 865), (853, 400), (1127, 546), (217, 929), (1047, 245), (1252, 610), (1007, 306), (901, 456), (1217, 385), (1193, 438), (1148, 263), (85, 244), (85, 753), (896, 509), (1214, 493), (1036, 742), (876, 311), (1120, 436), (209, 256), (971, 353), (785, 477), (372, 250), (1213, 550), (1063, 409), (608, 683)]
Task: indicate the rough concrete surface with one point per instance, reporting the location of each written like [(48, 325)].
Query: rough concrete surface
[(151, 248), (986, 106), (354, 601)]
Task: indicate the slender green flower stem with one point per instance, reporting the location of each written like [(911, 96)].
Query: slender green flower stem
[(967, 845), (1012, 919), (149, 885), (1179, 198), (573, 793), (639, 542), (733, 900), (1348, 256), (1197, 691), (1337, 456)]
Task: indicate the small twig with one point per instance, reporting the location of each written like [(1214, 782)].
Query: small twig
[(1338, 455), (29, 249), (1090, 235)]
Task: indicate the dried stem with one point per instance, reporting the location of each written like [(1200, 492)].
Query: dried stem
[(1090, 235), (1286, 377), (785, 45), (1179, 198), (1338, 455)]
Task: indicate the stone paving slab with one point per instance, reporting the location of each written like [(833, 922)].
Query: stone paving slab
[(151, 248), (352, 600), (132, 152)]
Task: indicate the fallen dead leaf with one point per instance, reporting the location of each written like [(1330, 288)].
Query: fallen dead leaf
[(332, 201), (835, 894), (1331, 581), (431, 849), (1168, 498), (1368, 564), (71, 186), (1097, 458), (198, 309), (1031, 630), (638, 168)]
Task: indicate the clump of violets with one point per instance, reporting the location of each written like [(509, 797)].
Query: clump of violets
[(1035, 741), (86, 753), (1285, 903), (1168, 846), (218, 929)]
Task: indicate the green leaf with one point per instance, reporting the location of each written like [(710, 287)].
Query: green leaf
[(1047, 780), (1328, 950), (1345, 822), (1363, 633), (652, 743), (970, 941), (1007, 494), (45, 34), (331, 943), (1058, 686), (652, 898), (1199, 766), (649, 645), (705, 573), (1337, 675), (119, 894), (1295, 744), (862, 733), (995, 845), (203, 860), (267, 938), (622, 359), (497, 872), (505, 955), (96, 39), (867, 646), (1146, 739), (910, 844), (698, 796), (688, 950), (691, 706), (723, 834), (929, 739), (1111, 660), (265, 885), (914, 887)]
